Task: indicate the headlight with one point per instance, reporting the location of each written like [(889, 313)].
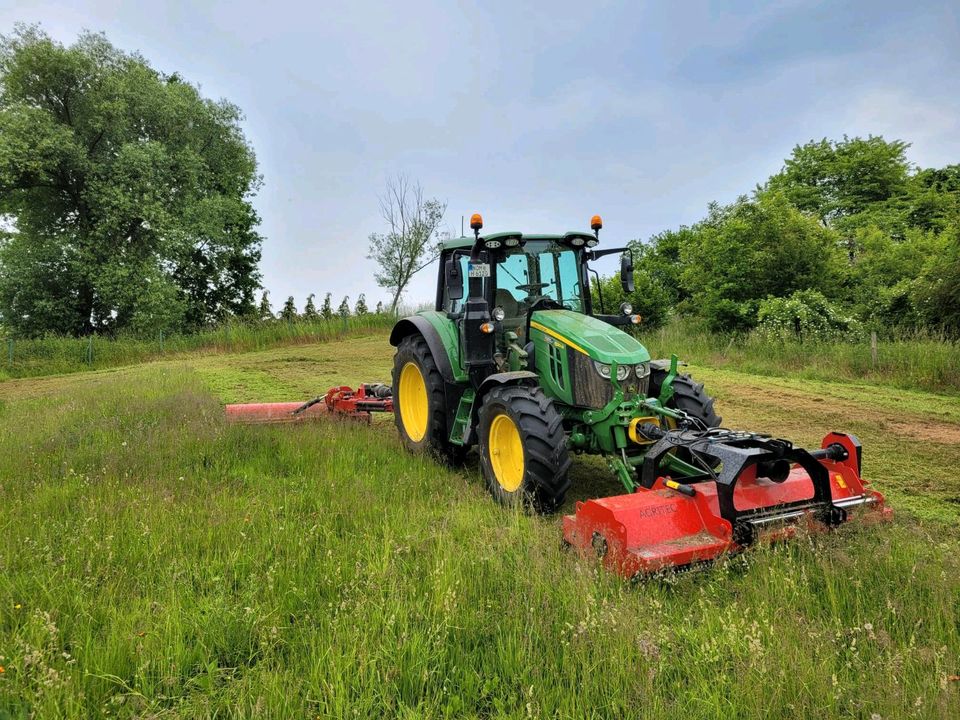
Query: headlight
[(603, 369), (626, 309), (622, 371), (498, 313), (642, 370)]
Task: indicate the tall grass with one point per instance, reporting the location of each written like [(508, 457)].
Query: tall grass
[(52, 355), (921, 362), (156, 563)]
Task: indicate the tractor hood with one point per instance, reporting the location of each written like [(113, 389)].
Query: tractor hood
[(595, 338)]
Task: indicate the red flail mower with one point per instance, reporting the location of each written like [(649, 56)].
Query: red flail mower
[(753, 488), (758, 488)]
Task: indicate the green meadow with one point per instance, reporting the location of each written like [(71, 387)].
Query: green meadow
[(157, 563)]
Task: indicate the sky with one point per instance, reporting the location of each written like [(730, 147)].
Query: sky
[(538, 114)]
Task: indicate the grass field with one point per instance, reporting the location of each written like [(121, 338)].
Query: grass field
[(155, 562)]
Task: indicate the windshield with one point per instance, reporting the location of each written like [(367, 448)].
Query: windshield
[(541, 268)]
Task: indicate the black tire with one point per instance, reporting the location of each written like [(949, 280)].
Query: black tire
[(431, 436), (688, 396), (546, 461)]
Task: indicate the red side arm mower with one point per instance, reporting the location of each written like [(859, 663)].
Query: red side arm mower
[(341, 401)]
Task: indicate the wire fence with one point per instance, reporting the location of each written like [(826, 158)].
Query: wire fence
[(55, 354)]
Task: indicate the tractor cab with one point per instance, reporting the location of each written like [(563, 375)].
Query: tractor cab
[(521, 301)]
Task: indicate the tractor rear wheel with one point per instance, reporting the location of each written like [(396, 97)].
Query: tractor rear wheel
[(688, 396), (523, 449), (419, 401)]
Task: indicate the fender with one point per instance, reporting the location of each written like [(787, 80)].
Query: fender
[(416, 324)]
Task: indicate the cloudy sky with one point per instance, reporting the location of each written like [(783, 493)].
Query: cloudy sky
[(539, 114)]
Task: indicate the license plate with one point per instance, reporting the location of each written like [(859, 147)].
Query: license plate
[(478, 270)]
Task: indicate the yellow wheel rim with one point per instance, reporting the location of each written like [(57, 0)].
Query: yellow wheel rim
[(506, 452), (414, 406)]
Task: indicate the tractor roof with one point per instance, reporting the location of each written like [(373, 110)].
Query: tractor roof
[(467, 242)]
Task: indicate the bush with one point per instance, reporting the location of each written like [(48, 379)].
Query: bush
[(805, 315)]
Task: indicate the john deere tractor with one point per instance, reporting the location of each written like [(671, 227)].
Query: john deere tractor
[(515, 360)]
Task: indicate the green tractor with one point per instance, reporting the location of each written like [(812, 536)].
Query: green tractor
[(515, 360)]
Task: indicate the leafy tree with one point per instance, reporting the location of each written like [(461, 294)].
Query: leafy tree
[(344, 309), (361, 307), (379, 309), (649, 300), (410, 243), (289, 311), (938, 288), (326, 309), (933, 199), (659, 260), (835, 180), (128, 193), (753, 249), (310, 309), (265, 311)]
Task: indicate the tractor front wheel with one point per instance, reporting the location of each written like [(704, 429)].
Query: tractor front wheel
[(688, 396), (523, 449)]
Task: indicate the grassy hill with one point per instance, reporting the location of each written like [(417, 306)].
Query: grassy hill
[(155, 562)]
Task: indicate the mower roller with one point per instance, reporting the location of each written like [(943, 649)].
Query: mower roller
[(515, 362)]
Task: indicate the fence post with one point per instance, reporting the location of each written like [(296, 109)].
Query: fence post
[(161, 341), (90, 351), (10, 351), (873, 348)]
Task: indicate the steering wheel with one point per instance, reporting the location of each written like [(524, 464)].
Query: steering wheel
[(532, 287)]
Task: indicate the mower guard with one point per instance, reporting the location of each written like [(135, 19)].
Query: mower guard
[(765, 489)]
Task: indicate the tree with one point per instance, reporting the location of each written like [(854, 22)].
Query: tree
[(289, 311), (379, 309), (310, 309), (344, 309), (649, 300), (128, 193), (835, 180), (411, 240), (938, 291), (361, 307), (327, 309), (659, 260), (752, 249), (265, 311)]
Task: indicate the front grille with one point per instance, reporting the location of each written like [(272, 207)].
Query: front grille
[(592, 391), (589, 389)]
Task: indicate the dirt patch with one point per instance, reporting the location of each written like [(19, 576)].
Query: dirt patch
[(905, 424)]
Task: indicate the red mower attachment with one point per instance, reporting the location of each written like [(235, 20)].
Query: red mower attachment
[(754, 488), (343, 402)]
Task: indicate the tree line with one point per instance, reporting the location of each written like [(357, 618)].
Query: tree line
[(847, 237), (326, 311)]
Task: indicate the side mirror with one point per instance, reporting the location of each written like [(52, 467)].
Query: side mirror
[(626, 272), (453, 277)]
